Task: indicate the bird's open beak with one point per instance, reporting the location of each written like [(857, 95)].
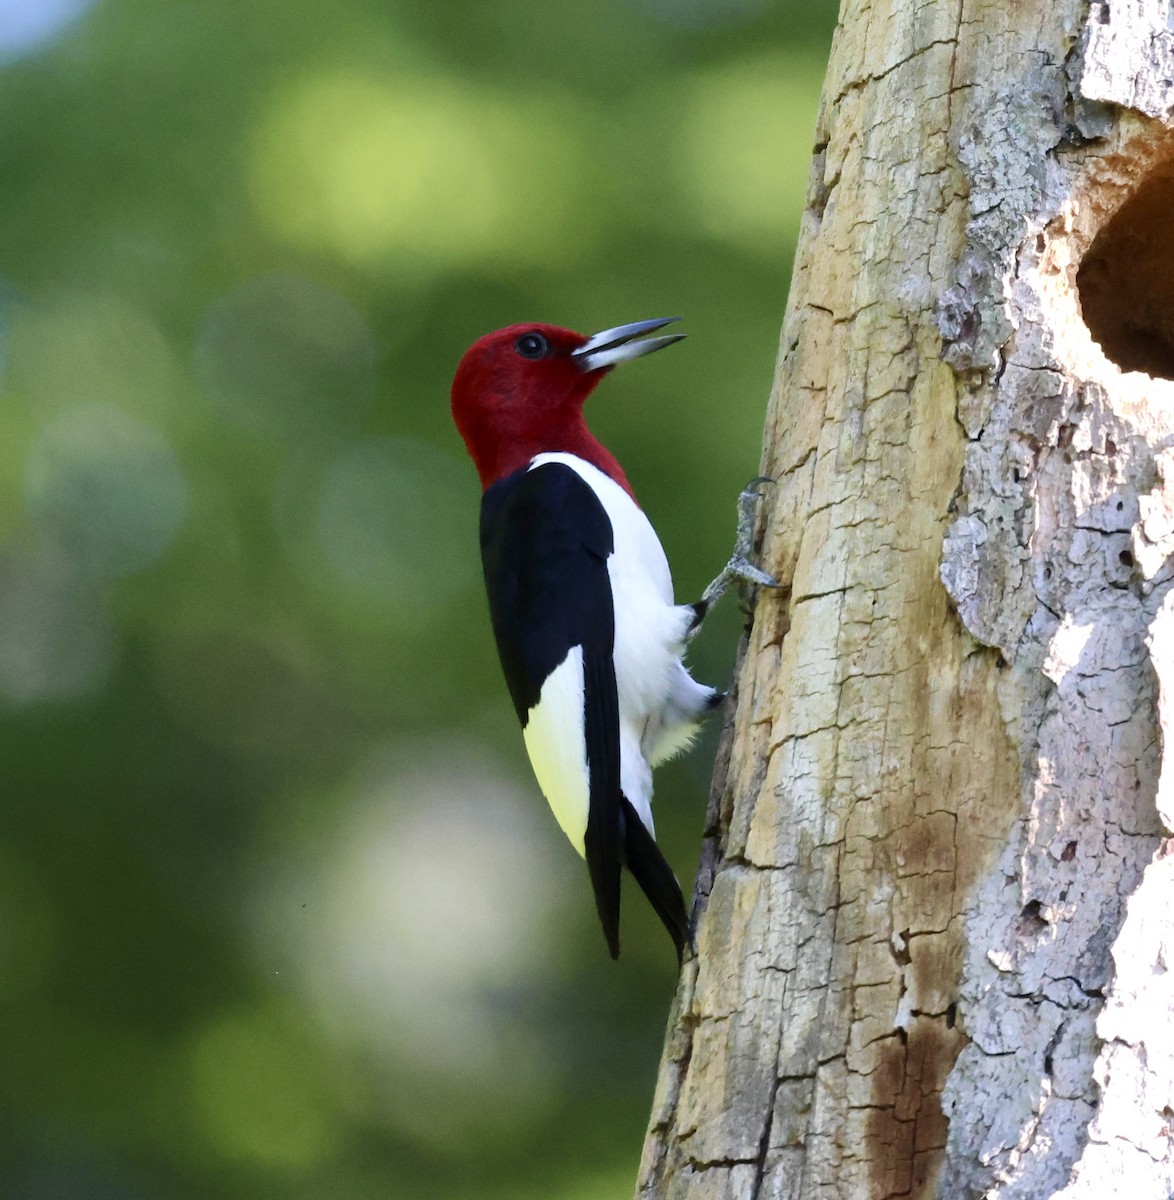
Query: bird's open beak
[(616, 345)]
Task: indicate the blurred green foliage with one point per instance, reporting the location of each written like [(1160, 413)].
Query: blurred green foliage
[(281, 911)]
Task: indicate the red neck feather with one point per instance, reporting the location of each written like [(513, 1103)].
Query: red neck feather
[(500, 452)]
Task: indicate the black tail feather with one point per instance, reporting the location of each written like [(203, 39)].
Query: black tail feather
[(643, 858), (603, 849)]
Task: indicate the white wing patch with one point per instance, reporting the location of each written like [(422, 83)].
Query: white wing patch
[(556, 742)]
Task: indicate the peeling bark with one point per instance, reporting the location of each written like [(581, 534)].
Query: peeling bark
[(937, 892)]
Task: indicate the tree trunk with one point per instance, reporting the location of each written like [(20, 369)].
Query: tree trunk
[(937, 905)]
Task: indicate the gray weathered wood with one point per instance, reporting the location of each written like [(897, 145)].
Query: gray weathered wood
[(938, 915)]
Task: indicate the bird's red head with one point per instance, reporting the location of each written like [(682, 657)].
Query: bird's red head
[(520, 392)]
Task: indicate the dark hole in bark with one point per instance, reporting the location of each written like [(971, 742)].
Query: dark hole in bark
[(1031, 919), (1068, 853), (1126, 281), (900, 949), (951, 1016), (1125, 558)]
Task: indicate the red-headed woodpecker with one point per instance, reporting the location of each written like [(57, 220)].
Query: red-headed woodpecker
[(581, 600)]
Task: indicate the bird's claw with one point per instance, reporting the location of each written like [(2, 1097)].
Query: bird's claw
[(756, 485), (747, 521), (740, 569)]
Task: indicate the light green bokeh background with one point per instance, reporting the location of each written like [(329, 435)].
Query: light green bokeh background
[(281, 911)]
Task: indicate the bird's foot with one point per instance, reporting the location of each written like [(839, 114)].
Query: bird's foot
[(740, 569)]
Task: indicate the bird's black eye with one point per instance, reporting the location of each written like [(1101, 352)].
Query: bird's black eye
[(531, 345)]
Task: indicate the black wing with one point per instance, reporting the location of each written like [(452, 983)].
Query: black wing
[(545, 542)]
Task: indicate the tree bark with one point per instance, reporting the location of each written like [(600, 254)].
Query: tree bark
[(937, 901)]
